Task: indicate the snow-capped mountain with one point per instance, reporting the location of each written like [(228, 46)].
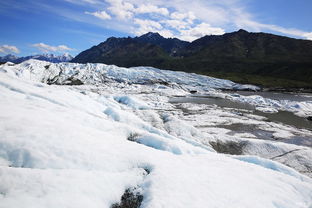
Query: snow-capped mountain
[(43, 57), (8, 58), (113, 137)]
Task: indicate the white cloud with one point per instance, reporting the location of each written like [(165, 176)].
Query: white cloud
[(188, 17), (200, 31), (147, 23), (149, 8), (214, 12), (9, 49), (47, 48), (122, 10), (100, 14), (176, 24), (307, 35), (288, 31), (146, 26), (182, 18), (166, 33), (256, 26)]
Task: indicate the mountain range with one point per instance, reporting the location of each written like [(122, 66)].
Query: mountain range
[(43, 57), (257, 58)]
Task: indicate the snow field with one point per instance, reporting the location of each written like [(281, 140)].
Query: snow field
[(65, 146)]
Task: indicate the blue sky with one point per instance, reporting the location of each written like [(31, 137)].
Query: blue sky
[(70, 26)]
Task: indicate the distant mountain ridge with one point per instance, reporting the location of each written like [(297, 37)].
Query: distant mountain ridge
[(257, 58), (43, 57), (170, 45)]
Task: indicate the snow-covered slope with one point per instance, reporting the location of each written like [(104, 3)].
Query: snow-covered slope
[(83, 146)]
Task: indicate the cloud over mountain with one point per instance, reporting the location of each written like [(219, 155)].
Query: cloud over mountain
[(9, 49), (48, 48)]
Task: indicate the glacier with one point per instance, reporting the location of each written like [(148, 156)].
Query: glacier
[(67, 145)]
